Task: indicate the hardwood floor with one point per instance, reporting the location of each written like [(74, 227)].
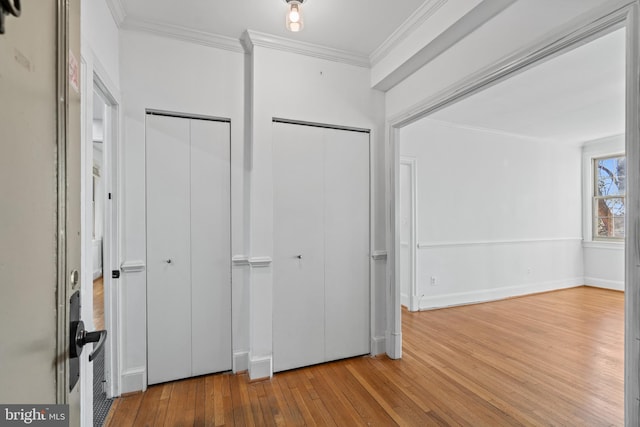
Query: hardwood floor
[(98, 303), (547, 359)]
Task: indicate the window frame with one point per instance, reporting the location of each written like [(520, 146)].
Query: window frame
[(595, 198)]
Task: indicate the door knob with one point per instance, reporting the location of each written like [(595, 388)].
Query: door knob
[(299, 256), (168, 261), (80, 337)]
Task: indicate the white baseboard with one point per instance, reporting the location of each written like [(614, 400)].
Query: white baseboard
[(260, 368), (133, 380), (240, 361), (393, 344), (486, 295), (604, 284), (378, 345)]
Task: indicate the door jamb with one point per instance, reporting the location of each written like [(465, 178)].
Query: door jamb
[(414, 301), (95, 77)]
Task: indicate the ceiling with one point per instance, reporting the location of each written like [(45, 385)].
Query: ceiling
[(572, 98), (357, 26)]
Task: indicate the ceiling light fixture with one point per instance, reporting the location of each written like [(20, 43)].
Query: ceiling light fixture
[(294, 15)]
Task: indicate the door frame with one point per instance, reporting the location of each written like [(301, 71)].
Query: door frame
[(414, 300), (95, 77), (617, 14)]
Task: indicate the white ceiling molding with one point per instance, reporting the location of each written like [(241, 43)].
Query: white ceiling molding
[(184, 34), (408, 27), (255, 38), (118, 11)]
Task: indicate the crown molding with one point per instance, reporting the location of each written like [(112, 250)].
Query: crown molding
[(184, 34), (252, 38), (118, 11), (408, 27)]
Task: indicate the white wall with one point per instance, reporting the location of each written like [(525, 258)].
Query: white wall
[(166, 74), (603, 261), (299, 87), (100, 37), (498, 215)]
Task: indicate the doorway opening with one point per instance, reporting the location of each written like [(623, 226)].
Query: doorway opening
[(100, 240), (448, 245)]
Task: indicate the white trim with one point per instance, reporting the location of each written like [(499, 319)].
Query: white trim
[(133, 266), (184, 34), (427, 245), (614, 285), (252, 38), (260, 368), (410, 300), (496, 294), (260, 261), (406, 29), (118, 12), (240, 361), (134, 379), (613, 246), (240, 260), (379, 255), (377, 345)]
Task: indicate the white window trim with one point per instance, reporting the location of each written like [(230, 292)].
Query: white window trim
[(599, 148)]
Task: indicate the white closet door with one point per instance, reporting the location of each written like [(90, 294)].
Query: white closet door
[(347, 290), (168, 249), (321, 213), (298, 305), (210, 247)]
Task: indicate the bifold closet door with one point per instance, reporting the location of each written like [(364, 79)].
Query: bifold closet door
[(321, 245), (188, 247), (298, 303)]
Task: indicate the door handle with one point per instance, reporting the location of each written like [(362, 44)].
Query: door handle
[(80, 337), (168, 261), (299, 256)]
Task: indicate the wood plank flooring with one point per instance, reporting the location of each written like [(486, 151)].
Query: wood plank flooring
[(98, 303), (553, 359)]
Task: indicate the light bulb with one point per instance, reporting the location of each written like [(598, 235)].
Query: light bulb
[(294, 13), (294, 16)]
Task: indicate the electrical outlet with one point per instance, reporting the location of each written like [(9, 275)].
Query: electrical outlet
[(434, 281)]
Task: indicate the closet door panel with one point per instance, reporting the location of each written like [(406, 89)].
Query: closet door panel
[(168, 249), (346, 212), (210, 247), (298, 302)]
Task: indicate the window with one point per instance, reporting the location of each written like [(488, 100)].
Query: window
[(608, 197)]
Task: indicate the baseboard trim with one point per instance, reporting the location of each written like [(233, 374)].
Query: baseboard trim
[(486, 295), (240, 361), (378, 345), (614, 285), (260, 368), (393, 345), (133, 380)]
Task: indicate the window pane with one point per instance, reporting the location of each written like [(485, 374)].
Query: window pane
[(611, 174), (610, 218)]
